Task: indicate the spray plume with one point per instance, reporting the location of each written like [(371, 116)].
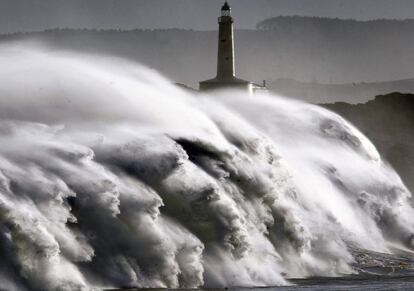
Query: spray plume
[(110, 176)]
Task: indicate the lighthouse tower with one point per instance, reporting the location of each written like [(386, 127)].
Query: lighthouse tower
[(226, 75), (225, 59)]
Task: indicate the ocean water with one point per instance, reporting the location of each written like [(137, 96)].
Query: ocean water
[(378, 283), (334, 284)]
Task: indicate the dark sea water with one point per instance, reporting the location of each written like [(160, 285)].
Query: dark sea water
[(380, 283), (340, 284)]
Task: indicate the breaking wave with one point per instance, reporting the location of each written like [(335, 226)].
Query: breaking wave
[(110, 176)]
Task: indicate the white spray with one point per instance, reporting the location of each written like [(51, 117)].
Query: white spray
[(110, 176)]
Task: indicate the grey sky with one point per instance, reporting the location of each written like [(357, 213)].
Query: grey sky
[(34, 15)]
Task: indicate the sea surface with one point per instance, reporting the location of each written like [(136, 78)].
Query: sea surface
[(342, 284), (380, 283), (375, 271)]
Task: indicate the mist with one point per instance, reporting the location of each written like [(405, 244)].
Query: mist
[(37, 15)]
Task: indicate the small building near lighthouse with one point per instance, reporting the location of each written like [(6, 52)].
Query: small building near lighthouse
[(226, 74)]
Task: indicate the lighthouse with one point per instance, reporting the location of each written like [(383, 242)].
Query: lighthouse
[(225, 58), (226, 73)]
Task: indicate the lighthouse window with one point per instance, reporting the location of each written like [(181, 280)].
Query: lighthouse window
[(227, 59), (223, 40)]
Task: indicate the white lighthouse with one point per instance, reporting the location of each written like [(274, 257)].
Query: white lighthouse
[(226, 75)]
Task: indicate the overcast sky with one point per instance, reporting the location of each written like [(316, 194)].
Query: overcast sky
[(35, 15)]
